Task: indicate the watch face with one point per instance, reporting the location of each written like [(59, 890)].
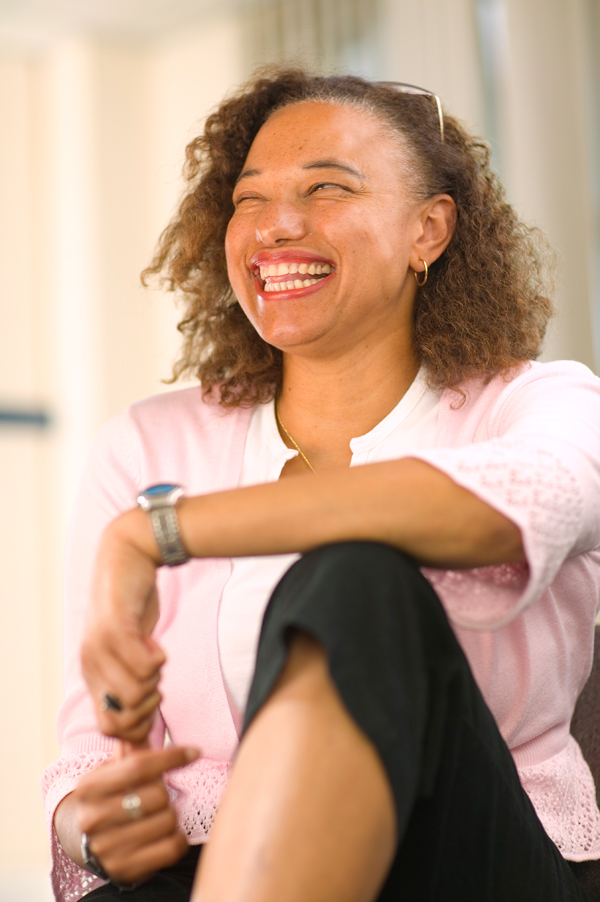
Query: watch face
[(163, 494), (160, 489)]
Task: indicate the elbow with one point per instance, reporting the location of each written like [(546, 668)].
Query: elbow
[(496, 541), (508, 540)]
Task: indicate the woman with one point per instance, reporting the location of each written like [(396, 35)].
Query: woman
[(363, 310)]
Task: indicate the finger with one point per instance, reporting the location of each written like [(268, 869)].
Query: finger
[(124, 774), (100, 815), (116, 652), (133, 691), (119, 841), (153, 646), (133, 865), (137, 735), (104, 670), (131, 724), (120, 776), (109, 705)]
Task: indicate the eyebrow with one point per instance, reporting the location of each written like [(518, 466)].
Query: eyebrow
[(334, 164), (247, 174), (317, 164)]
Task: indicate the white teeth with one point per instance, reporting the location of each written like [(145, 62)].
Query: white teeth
[(284, 269), (287, 286)]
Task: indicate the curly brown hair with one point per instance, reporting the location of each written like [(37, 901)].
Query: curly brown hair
[(484, 307)]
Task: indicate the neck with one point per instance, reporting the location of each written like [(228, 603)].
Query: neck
[(324, 404)]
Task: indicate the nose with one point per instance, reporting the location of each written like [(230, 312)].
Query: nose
[(281, 221)]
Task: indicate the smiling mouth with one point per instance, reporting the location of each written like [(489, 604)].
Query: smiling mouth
[(291, 276)]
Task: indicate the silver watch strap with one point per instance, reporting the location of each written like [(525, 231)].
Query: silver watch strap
[(93, 865), (89, 859), (168, 537)]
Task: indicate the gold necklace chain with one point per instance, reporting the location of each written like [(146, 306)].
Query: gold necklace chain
[(293, 441)]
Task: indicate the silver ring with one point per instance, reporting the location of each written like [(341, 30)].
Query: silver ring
[(132, 806), (110, 702)]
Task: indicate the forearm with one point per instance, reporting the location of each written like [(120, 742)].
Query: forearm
[(408, 504), (67, 829)]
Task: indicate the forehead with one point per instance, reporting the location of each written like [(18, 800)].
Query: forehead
[(310, 129)]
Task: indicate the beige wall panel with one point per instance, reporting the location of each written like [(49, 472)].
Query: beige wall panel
[(22, 835), (120, 102), (433, 44), (189, 77), (17, 380), (51, 511), (21, 656), (544, 153)]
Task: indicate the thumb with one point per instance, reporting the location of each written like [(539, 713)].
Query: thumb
[(155, 650)]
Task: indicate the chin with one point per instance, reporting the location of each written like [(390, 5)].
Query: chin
[(289, 340)]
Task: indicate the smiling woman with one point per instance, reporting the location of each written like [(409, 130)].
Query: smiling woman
[(364, 226), (382, 583)]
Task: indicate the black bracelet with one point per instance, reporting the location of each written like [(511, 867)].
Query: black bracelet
[(93, 865)]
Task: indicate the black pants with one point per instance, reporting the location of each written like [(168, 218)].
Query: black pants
[(467, 830)]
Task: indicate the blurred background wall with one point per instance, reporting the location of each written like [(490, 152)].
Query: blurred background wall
[(97, 102)]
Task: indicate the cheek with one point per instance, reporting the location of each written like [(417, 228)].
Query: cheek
[(234, 256), (230, 251)]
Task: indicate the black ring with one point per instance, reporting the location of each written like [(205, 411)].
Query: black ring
[(111, 702)]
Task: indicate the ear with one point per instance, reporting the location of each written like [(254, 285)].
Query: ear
[(437, 222)]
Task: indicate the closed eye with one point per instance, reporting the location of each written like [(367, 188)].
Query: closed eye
[(243, 197), (321, 186)]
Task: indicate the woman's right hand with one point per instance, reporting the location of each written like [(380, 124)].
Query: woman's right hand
[(119, 657), (130, 845)]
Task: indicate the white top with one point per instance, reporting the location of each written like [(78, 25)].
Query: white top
[(408, 428)]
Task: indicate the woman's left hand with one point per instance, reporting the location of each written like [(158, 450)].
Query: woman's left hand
[(120, 660), (124, 809)]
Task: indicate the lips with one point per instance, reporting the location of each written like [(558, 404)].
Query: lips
[(284, 274)]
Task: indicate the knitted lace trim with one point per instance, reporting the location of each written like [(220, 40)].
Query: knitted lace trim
[(533, 487), (197, 791), (561, 790), (69, 881), (564, 796)]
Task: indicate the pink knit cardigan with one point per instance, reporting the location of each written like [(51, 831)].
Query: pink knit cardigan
[(528, 445)]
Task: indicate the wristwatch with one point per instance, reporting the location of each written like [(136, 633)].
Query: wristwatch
[(159, 502), (93, 865)]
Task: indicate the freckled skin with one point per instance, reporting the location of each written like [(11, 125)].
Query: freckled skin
[(365, 222)]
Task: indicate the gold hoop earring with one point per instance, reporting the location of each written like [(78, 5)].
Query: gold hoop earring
[(426, 271)]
